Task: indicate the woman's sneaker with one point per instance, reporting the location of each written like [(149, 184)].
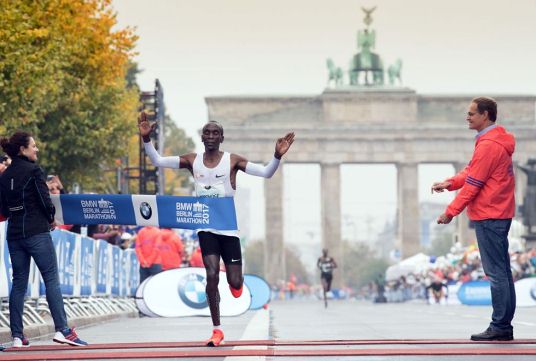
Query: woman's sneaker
[(68, 336), (21, 342)]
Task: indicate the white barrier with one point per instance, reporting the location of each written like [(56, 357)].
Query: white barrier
[(86, 267)]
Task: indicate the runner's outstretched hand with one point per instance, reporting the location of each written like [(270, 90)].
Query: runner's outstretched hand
[(283, 144), (145, 126)]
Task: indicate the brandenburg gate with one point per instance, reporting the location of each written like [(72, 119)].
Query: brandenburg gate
[(363, 122)]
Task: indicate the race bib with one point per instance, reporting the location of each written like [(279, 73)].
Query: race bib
[(216, 190)]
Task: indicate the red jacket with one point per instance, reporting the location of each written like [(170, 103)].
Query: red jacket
[(487, 183), (171, 249), (147, 246), (196, 260)]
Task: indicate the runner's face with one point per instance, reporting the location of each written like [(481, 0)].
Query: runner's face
[(211, 136)]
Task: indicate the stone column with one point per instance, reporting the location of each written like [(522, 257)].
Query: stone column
[(274, 249), (464, 232), (330, 188), (408, 209)]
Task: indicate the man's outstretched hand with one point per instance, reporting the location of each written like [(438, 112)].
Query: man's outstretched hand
[(443, 219), (283, 144), (145, 127), (440, 186)]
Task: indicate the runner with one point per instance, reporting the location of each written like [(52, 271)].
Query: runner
[(214, 175), (435, 293), (326, 265)]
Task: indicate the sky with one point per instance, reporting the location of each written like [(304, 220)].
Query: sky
[(249, 47)]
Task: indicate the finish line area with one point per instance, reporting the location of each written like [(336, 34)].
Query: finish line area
[(301, 330), (275, 348)]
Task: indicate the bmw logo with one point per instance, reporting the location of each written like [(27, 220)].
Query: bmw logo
[(192, 291), (146, 210)]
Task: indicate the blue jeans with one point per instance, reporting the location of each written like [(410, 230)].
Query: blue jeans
[(146, 272), (492, 237), (41, 249)]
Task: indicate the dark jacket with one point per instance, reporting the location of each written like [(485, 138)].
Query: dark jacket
[(25, 199)]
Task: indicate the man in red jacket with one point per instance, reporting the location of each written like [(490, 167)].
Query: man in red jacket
[(171, 249), (148, 242), (487, 190)]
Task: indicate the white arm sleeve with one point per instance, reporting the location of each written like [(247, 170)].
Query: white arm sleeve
[(266, 171), (158, 161)]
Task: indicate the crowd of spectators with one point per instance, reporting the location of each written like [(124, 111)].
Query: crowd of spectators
[(453, 269)]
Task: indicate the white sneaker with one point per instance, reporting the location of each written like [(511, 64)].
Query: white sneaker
[(18, 342), (68, 336)]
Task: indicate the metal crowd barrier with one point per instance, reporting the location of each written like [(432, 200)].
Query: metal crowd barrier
[(96, 279)]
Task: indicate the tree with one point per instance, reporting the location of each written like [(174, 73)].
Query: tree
[(176, 143), (360, 265), (254, 259), (294, 265), (63, 69), (441, 244)]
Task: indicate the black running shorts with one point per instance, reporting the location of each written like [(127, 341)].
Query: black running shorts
[(228, 247), (327, 276)]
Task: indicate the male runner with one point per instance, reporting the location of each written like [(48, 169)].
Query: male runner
[(214, 174), (436, 293), (326, 265)]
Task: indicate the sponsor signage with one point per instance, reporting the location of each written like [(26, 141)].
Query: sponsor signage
[(146, 210), (475, 293)]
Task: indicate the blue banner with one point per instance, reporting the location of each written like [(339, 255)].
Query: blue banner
[(475, 293), (116, 270), (87, 266), (8, 270), (102, 266), (124, 274), (134, 272), (64, 242), (146, 210)]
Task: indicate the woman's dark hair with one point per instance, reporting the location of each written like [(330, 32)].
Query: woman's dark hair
[(12, 145)]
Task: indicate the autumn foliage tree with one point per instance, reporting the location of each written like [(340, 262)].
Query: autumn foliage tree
[(63, 69)]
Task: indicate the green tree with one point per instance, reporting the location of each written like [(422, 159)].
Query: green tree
[(441, 244), (360, 265), (176, 143), (254, 257), (294, 265), (63, 69)]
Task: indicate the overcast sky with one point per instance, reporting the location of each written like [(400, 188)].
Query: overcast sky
[(223, 47)]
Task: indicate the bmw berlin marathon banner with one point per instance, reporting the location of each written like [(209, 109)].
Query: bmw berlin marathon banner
[(146, 210)]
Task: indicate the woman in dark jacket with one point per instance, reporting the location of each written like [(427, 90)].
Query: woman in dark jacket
[(26, 203)]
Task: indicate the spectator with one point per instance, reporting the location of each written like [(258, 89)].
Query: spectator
[(5, 161), (147, 250), (26, 203), (55, 187), (53, 181), (196, 260), (171, 249), (109, 233)]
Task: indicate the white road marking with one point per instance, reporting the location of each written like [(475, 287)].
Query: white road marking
[(257, 329)]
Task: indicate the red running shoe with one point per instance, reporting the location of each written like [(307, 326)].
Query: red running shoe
[(216, 339), (236, 292)]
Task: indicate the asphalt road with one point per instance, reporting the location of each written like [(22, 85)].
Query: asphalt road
[(308, 320)]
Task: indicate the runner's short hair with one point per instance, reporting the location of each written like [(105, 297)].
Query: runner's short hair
[(218, 124)]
